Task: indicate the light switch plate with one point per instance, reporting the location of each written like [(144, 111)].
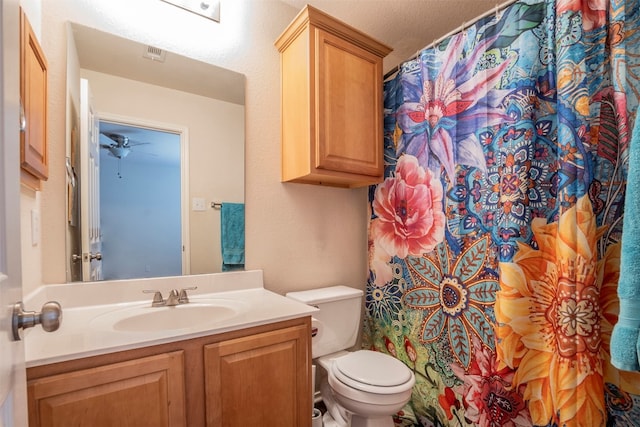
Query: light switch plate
[(198, 204), (207, 8)]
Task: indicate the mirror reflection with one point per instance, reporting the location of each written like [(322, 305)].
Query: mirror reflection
[(140, 187), (168, 138)]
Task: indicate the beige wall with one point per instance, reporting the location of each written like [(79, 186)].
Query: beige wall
[(301, 236)]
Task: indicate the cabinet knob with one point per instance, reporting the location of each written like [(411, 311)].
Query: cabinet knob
[(50, 318)]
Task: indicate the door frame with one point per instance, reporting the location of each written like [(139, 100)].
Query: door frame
[(13, 394), (183, 132)]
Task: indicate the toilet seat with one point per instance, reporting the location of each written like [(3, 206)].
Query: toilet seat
[(372, 372)]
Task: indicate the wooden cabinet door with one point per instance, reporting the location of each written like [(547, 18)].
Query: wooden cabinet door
[(332, 116), (260, 380), (349, 96), (33, 95), (143, 392)]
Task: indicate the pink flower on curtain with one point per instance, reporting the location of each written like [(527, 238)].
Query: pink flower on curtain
[(594, 12), (488, 397), (441, 114), (410, 217)]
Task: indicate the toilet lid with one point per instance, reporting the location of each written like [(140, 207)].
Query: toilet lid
[(372, 368)]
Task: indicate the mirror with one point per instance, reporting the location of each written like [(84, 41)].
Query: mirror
[(137, 91)]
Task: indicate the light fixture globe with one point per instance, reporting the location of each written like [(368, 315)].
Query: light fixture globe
[(119, 152)]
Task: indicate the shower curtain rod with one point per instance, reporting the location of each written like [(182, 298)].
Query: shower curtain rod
[(464, 26)]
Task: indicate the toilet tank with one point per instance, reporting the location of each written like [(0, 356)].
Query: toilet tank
[(336, 325)]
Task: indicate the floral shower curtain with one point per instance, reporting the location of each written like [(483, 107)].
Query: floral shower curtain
[(494, 241)]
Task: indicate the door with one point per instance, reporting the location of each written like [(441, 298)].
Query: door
[(149, 391), (349, 107), (12, 373), (91, 234), (282, 397)]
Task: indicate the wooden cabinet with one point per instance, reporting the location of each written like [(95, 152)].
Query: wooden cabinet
[(259, 376), (33, 96), (331, 78), (145, 391), (252, 381)]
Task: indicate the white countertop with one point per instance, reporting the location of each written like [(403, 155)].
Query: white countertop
[(80, 336)]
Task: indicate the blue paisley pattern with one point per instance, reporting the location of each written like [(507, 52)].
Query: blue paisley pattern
[(523, 120)]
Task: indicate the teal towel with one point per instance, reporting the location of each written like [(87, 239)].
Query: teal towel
[(625, 342), (232, 236)]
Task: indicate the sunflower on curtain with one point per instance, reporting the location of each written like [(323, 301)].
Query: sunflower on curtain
[(494, 240)]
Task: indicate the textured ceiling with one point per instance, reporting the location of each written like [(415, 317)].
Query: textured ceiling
[(405, 25)]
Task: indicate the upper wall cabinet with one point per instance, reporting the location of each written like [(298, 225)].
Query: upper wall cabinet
[(33, 114), (332, 122)]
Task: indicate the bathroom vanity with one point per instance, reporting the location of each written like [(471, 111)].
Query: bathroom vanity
[(250, 368)]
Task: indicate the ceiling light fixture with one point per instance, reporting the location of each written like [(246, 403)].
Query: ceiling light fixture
[(207, 8), (119, 152)]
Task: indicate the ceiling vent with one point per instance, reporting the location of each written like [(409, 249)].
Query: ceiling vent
[(154, 53)]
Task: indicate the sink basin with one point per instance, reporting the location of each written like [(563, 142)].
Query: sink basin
[(144, 318)]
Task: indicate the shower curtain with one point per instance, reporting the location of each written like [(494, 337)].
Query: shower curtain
[(494, 240)]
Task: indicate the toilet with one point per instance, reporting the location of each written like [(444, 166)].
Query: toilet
[(363, 388)]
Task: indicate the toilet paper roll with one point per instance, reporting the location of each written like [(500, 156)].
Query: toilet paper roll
[(316, 418), (316, 329)]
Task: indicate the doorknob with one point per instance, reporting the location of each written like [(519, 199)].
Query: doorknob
[(50, 318), (93, 256)]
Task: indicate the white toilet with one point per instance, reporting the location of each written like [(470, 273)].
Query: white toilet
[(364, 388)]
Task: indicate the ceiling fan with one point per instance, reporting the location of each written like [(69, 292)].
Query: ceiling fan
[(119, 146)]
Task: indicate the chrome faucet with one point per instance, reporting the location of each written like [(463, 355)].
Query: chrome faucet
[(174, 298)]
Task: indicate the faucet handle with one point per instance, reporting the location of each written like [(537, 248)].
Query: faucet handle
[(157, 297), (183, 299)]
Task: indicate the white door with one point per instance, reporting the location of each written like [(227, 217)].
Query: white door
[(89, 187), (13, 410)]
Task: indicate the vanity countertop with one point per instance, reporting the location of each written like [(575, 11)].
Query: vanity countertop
[(81, 335)]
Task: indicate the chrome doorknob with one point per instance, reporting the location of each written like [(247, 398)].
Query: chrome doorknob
[(93, 256), (50, 318)]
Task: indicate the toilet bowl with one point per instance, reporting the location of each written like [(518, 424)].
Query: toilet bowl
[(365, 388)]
